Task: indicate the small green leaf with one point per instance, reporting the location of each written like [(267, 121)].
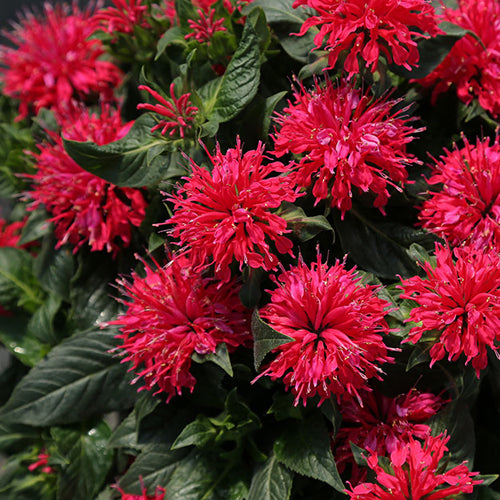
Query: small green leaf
[(278, 11), (173, 36), (302, 226), (220, 357), (35, 227), (198, 433), (271, 481), (305, 447), (265, 338), (418, 356)]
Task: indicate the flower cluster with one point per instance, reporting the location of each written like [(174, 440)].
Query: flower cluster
[(458, 304), (346, 138), (473, 63), (416, 473), (123, 16), (466, 210), (228, 213), (53, 60), (84, 207), (174, 312), (336, 326), (365, 30)]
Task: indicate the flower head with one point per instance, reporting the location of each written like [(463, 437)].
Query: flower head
[(180, 113), (10, 233), (381, 424), (458, 304), (228, 214), (466, 210), (174, 312), (473, 64), (53, 61), (123, 17), (415, 473), (336, 324), (366, 29), (84, 207), (347, 139), (205, 27), (159, 493)]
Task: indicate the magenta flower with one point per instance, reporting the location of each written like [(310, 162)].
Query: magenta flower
[(228, 213), (473, 64), (366, 29), (42, 463), (345, 139), (466, 209), (10, 233), (180, 113), (458, 305), (53, 61), (415, 473), (336, 324), (84, 207), (381, 424), (205, 27), (123, 16), (174, 312)]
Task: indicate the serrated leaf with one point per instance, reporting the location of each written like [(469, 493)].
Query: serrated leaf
[(198, 433), (265, 338), (89, 460), (220, 357), (78, 379), (229, 94), (271, 481), (140, 159), (305, 448)]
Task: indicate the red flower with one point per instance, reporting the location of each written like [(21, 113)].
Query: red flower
[(473, 64), (415, 473), (43, 462), (10, 233), (205, 27), (336, 325), (382, 424), (347, 139), (85, 208), (365, 29), (467, 208), (159, 494), (174, 312), (180, 112), (53, 60), (227, 213), (123, 17), (458, 304)]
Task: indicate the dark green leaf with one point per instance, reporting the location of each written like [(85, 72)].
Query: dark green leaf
[(198, 433), (35, 227), (88, 459), (421, 255), (174, 35), (297, 47), (487, 494), (226, 96), (265, 339), (41, 325), (220, 357), (419, 355), (271, 481), (140, 159), (78, 379), (305, 447), (279, 11), (283, 407), (17, 435), (302, 226)]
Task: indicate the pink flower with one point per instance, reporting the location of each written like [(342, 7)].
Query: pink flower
[(366, 29), (84, 207), (228, 214), (10, 233), (415, 473), (123, 17), (336, 325), (205, 27), (174, 312), (466, 209), (381, 424), (43, 463), (345, 138), (53, 61), (159, 494), (458, 304), (180, 113), (473, 64)]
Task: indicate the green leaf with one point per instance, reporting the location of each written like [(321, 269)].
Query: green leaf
[(305, 447), (88, 461), (487, 494), (198, 433), (42, 324), (421, 255), (220, 357), (271, 481), (302, 226), (173, 36), (278, 11), (225, 97), (35, 227), (78, 379), (140, 159), (17, 435), (265, 338)]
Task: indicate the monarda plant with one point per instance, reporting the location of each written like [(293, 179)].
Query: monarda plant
[(249, 250)]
